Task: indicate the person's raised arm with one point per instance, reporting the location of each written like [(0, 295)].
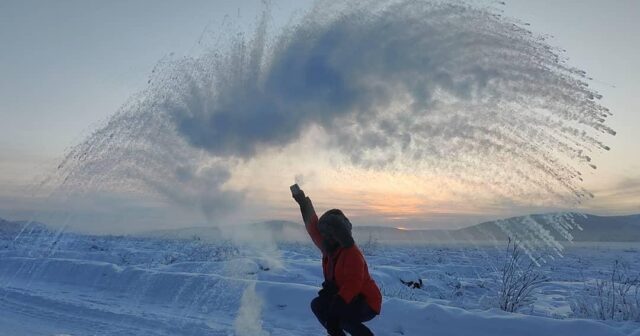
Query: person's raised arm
[(308, 215)]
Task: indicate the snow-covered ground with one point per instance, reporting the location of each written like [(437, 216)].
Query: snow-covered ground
[(69, 284)]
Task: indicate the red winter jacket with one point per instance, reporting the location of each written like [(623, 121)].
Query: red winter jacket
[(351, 274)]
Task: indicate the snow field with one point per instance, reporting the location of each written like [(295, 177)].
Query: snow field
[(133, 286)]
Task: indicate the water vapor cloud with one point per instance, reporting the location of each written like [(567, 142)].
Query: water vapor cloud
[(395, 85)]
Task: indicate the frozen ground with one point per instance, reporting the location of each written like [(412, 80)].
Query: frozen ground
[(69, 284)]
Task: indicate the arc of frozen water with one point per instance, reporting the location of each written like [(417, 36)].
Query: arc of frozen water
[(454, 89)]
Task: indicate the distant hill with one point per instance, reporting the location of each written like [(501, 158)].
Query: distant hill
[(273, 230), (587, 228), (10, 229), (591, 228)]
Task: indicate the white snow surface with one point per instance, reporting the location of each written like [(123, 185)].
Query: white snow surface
[(70, 284)]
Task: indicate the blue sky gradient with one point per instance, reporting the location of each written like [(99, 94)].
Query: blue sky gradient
[(67, 66)]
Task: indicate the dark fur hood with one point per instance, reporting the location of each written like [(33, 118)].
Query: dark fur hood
[(336, 223)]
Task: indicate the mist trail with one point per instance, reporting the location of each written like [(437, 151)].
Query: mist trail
[(410, 86)]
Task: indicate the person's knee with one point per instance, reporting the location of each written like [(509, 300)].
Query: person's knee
[(316, 305)]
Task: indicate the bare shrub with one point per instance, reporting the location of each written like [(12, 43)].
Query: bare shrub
[(615, 298), (370, 246), (519, 278)]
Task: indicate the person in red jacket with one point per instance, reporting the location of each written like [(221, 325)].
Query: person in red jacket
[(349, 296)]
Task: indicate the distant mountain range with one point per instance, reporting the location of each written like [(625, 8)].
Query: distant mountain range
[(583, 228), (591, 228), (11, 229), (587, 228)]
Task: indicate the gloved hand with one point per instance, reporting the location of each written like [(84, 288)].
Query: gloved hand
[(297, 194), (329, 289)]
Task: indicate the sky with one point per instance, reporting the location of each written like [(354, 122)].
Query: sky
[(68, 66)]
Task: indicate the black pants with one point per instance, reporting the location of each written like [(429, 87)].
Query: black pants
[(351, 315)]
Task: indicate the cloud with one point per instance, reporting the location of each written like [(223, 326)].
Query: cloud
[(619, 196)]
